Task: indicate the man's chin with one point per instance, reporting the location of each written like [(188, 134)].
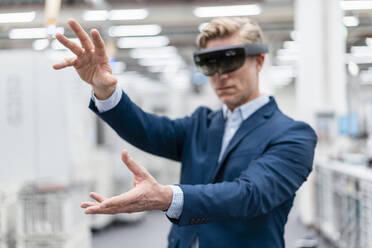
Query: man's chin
[(231, 102)]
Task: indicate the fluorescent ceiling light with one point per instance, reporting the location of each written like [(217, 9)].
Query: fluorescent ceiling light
[(96, 15), (359, 58), (351, 21), (128, 14), (369, 42), (356, 5), (134, 30), (159, 52), (176, 61), (353, 69), (17, 17), (40, 44), (31, 33), (294, 35), (232, 10), (115, 15), (139, 42), (361, 51), (56, 45)]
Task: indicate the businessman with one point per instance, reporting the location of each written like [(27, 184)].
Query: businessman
[(241, 165)]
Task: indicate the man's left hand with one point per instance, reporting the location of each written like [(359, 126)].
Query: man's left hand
[(147, 194)]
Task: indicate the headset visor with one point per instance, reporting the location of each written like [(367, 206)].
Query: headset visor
[(225, 59)]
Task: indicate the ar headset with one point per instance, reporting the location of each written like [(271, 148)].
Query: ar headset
[(226, 59)]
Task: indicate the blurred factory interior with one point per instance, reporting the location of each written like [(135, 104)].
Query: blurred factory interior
[(54, 150)]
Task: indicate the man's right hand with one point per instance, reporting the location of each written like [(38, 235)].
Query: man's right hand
[(91, 61)]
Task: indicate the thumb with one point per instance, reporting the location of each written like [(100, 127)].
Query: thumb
[(135, 168)]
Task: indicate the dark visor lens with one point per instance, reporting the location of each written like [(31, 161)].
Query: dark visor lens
[(221, 62)]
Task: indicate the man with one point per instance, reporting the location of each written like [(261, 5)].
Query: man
[(241, 165)]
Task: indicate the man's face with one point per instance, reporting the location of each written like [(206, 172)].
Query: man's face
[(240, 86)]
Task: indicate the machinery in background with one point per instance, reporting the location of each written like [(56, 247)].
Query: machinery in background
[(8, 216), (48, 217), (344, 203), (343, 171)]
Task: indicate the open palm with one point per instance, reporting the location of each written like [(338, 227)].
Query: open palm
[(147, 194), (91, 61)]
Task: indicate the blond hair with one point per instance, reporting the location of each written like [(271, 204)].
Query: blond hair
[(248, 30)]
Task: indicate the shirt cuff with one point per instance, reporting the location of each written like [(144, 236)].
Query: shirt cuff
[(109, 103), (175, 209)]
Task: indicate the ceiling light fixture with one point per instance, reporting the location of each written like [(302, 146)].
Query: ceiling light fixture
[(128, 14), (159, 52), (95, 15), (17, 17), (162, 62), (231, 10), (31, 33), (115, 15), (356, 5), (369, 42), (351, 21), (361, 51), (134, 30), (140, 42)]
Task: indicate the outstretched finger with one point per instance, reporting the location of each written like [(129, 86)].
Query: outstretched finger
[(81, 34), (120, 200), (75, 48), (115, 201), (97, 197), (88, 204), (99, 210), (66, 63), (135, 168), (99, 44)]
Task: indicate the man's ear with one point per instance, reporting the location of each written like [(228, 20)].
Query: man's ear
[(260, 59)]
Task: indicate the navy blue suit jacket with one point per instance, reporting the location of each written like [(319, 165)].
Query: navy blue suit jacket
[(244, 200)]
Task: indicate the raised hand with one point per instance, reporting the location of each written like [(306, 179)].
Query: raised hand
[(147, 194), (91, 61)]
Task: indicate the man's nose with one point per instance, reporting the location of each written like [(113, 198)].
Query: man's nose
[(221, 74)]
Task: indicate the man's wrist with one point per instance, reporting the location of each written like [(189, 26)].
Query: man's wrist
[(175, 209), (167, 194), (104, 93)]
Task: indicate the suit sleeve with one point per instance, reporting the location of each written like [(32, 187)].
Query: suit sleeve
[(151, 133), (266, 183)]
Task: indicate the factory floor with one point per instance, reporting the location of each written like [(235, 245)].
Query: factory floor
[(153, 229)]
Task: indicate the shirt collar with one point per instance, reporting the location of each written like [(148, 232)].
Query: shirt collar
[(247, 109)]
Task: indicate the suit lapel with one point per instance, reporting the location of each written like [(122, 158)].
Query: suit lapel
[(250, 124), (214, 141)]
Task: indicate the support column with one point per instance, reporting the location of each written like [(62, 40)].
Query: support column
[(321, 81)]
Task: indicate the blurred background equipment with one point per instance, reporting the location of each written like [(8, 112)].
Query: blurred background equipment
[(48, 217)]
